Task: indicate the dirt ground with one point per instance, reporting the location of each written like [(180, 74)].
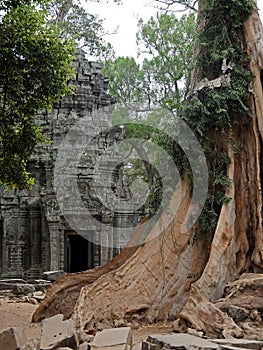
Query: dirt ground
[(19, 314)]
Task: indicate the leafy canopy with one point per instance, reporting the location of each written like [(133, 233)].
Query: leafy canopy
[(35, 67), (86, 29), (164, 75)]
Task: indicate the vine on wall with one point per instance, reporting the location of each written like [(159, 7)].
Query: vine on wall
[(221, 97)]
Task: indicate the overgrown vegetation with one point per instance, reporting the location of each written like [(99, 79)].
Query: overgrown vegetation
[(36, 64), (38, 41), (210, 110)]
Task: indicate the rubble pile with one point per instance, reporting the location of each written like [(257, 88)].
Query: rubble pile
[(60, 334)]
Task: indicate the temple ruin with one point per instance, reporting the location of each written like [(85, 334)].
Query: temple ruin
[(34, 236)]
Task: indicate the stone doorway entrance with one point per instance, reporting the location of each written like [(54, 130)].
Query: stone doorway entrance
[(79, 253)]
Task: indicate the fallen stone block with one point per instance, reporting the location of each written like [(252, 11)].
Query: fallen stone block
[(239, 343), (181, 341), (53, 275), (57, 333), (12, 339), (23, 289), (113, 339)]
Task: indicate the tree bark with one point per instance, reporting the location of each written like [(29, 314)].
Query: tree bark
[(237, 244)]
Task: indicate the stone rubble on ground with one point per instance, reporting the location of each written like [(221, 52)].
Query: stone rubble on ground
[(23, 289), (12, 339), (113, 339), (184, 341), (32, 344), (181, 341), (59, 334), (18, 290)]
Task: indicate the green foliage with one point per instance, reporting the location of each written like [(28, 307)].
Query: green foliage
[(169, 41), (76, 23), (35, 67), (162, 80), (7, 5), (163, 77), (125, 80), (219, 37)]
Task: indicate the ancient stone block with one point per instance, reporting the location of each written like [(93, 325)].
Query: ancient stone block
[(119, 338), (58, 333), (181, 341), (12, 339)]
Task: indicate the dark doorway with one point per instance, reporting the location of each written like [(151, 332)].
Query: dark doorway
[(80, 254)]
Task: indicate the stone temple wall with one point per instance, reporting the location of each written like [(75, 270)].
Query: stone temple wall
[(34, 235)]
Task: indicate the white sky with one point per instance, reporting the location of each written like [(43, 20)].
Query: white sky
[(126, 17)]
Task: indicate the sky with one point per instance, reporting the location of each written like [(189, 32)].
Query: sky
[(126, 18)]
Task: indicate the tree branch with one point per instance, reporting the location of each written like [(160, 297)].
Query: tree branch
[(186, 3)]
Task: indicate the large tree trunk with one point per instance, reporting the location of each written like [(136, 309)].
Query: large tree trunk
[(238, 242), (157, 281)]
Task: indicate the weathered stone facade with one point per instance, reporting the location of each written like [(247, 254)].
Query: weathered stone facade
[(34, 236)]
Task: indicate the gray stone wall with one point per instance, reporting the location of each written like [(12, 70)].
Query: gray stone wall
[(34, 235)]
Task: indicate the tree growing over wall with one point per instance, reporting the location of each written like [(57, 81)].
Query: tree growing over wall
[(180, 275)]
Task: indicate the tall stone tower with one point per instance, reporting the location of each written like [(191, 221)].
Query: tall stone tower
[(34, 235)]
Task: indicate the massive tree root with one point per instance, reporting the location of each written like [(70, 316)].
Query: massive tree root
[(152, 285), (62, 295)]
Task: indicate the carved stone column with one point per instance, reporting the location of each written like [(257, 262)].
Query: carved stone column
[(35, 237), (54, 237)]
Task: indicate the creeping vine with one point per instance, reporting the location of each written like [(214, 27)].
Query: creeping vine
[(222, 96)]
